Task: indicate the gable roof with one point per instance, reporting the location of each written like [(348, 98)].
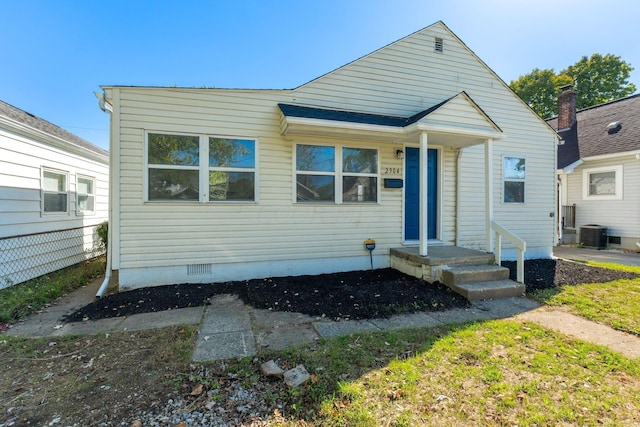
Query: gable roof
[(436, 25), (589, 136), (16, 116)]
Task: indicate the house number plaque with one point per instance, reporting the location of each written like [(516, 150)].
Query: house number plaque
[(391, 171)]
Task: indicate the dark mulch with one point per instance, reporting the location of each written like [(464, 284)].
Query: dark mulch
[(549, 273), (352, 295)]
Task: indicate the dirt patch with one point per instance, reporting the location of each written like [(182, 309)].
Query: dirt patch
[(364, 294)]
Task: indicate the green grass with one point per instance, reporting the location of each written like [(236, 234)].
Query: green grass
[(616, 303), (484, 374), (20, 300), (501, 372)]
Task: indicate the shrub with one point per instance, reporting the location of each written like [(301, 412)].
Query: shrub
[(103, 233)]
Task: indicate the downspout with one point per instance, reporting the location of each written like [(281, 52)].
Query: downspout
[(104, 106), (107, 274), (457, 192), (559, 218)]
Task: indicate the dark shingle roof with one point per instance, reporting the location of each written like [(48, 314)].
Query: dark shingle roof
[(28, 119), (354, 117), (589, 136)]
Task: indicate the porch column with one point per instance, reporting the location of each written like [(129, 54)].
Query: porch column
[(488, 191), (424, 229)]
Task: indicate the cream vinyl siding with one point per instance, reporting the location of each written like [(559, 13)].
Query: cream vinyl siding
[(400, 79), (621, 217), (159, 234), (408, 76)]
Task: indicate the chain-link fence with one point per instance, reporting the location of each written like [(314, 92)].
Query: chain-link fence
[(32, 255)]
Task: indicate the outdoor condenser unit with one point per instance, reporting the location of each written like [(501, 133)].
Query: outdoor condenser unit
[(593, 236)]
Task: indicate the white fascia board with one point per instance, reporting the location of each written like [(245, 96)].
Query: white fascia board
[(454, 130), (52, 140), (612, 156), (571, 167), (333, 124)]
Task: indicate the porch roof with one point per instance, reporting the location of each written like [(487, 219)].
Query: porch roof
[(457, 121)]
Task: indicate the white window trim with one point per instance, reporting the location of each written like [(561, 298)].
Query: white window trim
[(505, 179), (203, 169), (338, 174), (44, 169), (618, 170), (80, 212)]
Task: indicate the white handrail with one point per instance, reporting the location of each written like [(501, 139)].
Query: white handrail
[(513, 239)]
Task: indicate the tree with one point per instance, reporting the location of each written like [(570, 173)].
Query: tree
[(600, 79), (539, 89), (597, 79)]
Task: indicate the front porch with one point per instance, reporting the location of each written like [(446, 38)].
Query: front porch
[(471, 273)]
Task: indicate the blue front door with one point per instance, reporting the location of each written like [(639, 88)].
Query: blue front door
[(412, 193)]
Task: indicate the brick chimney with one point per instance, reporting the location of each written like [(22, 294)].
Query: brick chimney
[(567, 107)]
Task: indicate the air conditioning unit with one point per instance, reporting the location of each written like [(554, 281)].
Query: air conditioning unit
[(593, 236)]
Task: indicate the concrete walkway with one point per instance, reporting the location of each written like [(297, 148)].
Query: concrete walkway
[(229, 328), (607, 255)]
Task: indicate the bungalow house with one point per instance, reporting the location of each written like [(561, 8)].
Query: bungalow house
[(599, 171), (419, 146), (53, 195)]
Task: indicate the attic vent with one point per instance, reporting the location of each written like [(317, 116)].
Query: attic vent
[(439, 45), (614, 127), (198, 269)]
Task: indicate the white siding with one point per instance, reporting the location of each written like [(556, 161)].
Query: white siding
[(43, 246), (400, 79), (621, 217)]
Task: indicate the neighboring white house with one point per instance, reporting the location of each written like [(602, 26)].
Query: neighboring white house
[(599, 170), (224, 184), (53, 193)]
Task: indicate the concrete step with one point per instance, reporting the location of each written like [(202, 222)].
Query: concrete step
[(459, 274), (494, 289)]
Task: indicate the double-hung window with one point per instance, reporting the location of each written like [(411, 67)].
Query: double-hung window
[(55, 191), (513, 178), (200, 168), (85, 194), (359, 175), (336, 174), (232, 169)]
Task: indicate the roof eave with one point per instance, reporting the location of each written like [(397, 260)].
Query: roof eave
[(52, 140)]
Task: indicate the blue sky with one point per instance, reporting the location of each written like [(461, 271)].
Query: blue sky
[(55, 54)]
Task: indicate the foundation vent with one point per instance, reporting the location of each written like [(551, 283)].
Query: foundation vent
[(198, 269)]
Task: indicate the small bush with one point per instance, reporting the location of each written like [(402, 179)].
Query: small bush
[(103, 233)]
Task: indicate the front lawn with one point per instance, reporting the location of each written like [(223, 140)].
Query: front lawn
[(503, 372), (615, 303)]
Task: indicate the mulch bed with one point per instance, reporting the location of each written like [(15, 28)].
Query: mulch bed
[(351, 295)]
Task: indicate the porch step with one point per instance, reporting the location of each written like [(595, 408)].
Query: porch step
[(477, 282), (493, 289), (459, 274), (471, 273)]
